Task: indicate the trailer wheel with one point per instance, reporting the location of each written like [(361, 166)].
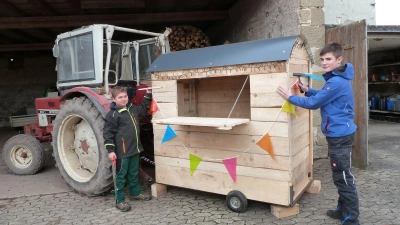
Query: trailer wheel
[(23, 155), (79, 148), (236, 201)]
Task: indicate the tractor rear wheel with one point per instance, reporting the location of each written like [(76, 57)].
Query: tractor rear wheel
[(23, 155), (78, 147)]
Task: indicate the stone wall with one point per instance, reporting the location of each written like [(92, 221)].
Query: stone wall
[(20, 87), (257, 19), (312, 22)]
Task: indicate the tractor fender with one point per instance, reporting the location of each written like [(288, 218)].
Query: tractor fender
[(100, 102)]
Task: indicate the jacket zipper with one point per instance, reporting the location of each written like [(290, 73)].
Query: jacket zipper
[(123, 145), (134, 124)]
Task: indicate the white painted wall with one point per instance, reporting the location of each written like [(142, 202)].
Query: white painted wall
[(348, 11), (387, 12)]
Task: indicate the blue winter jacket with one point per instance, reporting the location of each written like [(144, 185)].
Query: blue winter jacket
[(336, 101)]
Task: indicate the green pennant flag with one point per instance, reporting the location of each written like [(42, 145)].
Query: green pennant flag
[(194, 162)]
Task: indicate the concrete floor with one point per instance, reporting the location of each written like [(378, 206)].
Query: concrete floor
[(49, 181), (45, 198)]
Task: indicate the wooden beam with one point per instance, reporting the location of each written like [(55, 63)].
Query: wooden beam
[(121, 19), (96, 4), (10, 9), (180, 5), (26, 47), (43, 7), (214, 4), (149, 6), (76, 4)]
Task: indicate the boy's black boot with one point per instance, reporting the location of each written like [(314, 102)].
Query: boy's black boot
[(335, 214)]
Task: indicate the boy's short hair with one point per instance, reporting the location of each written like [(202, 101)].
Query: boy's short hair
[(335, 48), (116, 90)]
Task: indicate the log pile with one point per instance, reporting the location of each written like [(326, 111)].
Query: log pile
[(185, 37)]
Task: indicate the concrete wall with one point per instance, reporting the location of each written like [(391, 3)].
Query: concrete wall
[(257, 19), (20, 87), (345, 12)]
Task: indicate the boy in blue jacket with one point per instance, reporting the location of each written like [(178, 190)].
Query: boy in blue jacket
[(336, 101), (122, 140)]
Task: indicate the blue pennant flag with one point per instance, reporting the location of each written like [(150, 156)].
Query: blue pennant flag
[(168, 135), (312, 76)]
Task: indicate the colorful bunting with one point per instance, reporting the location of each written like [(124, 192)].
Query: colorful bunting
[(153, 106), (266, 144), (230, 165), (169, 134), (289, 108), (194, 162)]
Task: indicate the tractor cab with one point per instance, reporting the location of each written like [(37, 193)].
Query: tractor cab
[(84, 58)]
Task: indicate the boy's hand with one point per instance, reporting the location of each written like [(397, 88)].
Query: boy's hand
[(303, 87), (112, 156), (283, 92), (149, 90)]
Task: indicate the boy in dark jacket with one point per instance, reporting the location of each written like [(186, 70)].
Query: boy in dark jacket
[(336, 101), (122, 140)]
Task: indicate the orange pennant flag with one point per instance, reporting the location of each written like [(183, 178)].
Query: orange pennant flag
[(296, 85), (266, 144), (289, 108), (153, 106)]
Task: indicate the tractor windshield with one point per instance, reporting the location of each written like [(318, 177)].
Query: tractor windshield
[(75, 61)]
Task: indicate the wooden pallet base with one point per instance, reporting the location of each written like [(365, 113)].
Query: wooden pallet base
[(315, 187), (285, 211), (158, 190)]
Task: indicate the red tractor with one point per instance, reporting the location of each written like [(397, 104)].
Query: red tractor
[(87, 68)]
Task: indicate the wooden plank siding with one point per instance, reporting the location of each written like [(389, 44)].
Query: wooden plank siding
[(353, 37)]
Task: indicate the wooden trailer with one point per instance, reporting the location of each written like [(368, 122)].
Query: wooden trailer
[(220, 101)]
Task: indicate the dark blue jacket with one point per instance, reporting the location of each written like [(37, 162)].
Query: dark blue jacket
[(336, 101), (122, 129)]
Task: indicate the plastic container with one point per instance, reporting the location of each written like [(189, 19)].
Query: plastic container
[(389, 105), (374, 103)]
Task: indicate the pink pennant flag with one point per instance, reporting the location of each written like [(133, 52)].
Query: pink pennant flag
[(296, 85), (230, 165)]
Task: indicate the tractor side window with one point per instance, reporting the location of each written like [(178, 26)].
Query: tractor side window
[(75, 60), (147, 55)]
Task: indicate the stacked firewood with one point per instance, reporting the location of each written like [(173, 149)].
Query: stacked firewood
[(185, 37)]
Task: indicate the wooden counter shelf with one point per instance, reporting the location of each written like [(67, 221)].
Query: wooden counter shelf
[(219, 123)]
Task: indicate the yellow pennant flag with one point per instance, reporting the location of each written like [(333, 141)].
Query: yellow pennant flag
[(194, 162), (289, 108), (266, 144)]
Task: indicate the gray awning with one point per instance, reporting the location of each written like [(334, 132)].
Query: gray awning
[(268, 50)]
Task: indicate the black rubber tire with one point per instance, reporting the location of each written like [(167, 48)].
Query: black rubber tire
[(31, 144), (236, 201), (102, 180)]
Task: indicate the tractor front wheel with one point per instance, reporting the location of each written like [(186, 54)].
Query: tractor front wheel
[(78, 147), (23, 155)]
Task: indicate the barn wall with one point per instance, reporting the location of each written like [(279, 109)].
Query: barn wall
[(258, 19), (20, 87)]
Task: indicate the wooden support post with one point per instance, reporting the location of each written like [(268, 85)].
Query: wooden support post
[(315, 187), (158, 190), (284, 211)]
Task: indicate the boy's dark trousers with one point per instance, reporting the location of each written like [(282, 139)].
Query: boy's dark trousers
[(339, 149), (127, 171)]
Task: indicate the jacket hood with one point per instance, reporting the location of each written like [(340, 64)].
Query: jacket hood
[(114, 106), (346, 71)]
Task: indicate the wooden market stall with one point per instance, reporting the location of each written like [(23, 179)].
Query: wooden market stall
[(220, 101)]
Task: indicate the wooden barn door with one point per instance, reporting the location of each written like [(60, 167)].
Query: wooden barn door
[(353, 38)]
